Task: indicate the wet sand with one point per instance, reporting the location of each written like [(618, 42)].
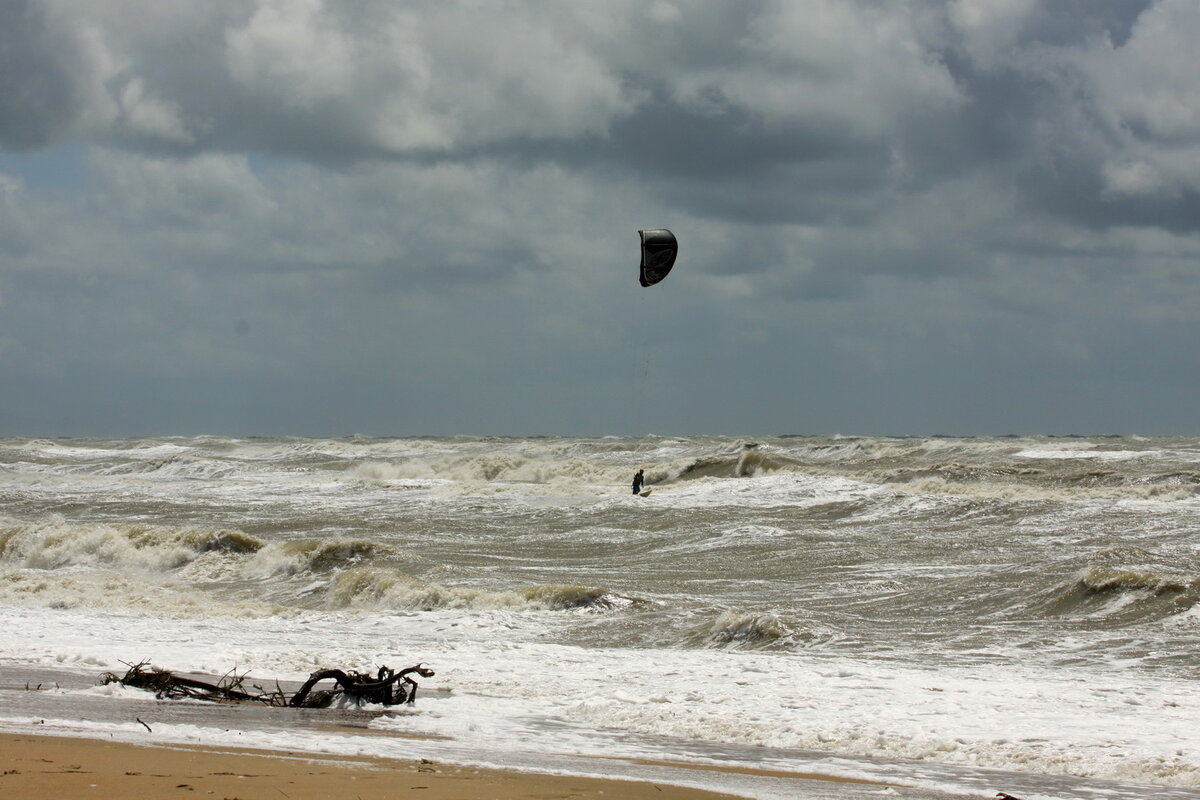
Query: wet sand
[(43, 762), (67, 768)]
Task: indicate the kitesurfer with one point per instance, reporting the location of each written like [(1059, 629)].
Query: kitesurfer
[(637, 482)]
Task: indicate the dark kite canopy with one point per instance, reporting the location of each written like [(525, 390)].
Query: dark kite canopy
[(659, 249)]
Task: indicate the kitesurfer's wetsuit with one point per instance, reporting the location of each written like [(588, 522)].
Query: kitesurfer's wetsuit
[(637, 482)]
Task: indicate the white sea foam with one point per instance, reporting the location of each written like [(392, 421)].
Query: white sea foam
[(505, 690), (1086, 452)]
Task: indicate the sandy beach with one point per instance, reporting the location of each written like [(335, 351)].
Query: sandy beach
[(66, 768)]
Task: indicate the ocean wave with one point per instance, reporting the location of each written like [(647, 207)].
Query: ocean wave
[(312, 555), (1127, 594), (57, 544), (136, 594), (745, 460), (380, 588), (487, 468), (580, 463), (731, 629), (90, 450), (174, 466), (566, 598), (736, 630), (1027, 487)]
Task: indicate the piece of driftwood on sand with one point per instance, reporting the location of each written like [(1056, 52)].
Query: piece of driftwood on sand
[(385, 687)]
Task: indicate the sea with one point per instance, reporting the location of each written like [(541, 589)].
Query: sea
[(937, 617)]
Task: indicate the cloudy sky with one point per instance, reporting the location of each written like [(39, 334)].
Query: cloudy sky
[(381, 217)]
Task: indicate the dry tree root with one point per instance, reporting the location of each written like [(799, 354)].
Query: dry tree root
[(385, 688), (166, 684)]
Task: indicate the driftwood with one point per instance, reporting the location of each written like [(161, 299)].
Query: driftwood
[(386, 687)]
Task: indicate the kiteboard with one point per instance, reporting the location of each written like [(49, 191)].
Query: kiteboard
[(645, 493)]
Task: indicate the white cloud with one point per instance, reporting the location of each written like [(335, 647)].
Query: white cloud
[(1150, 81), (455, 74), (139, 113), (194, 192), (294, 51), (114, 100), (1146, 101), (852, 67), (989, 30)]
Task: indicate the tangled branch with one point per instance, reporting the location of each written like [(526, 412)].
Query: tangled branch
[(386, 687)]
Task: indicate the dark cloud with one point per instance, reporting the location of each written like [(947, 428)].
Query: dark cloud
[(316, 217), (1073, 22), (39, 77), (1074, 190), (664, 138)]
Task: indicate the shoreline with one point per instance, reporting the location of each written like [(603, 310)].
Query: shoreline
[(74, 769), (35, 765)]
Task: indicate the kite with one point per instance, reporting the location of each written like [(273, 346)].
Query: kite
[(659, 249)]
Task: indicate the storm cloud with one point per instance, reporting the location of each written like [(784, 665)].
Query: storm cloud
[(307, 217)]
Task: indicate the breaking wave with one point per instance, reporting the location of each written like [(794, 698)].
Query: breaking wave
[(740, 630), (57, 544), (744, 460), (739, 460), (311, 555), (504, 468), (1130, 595), (1127, 585), (379, 588), (735, 630)]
